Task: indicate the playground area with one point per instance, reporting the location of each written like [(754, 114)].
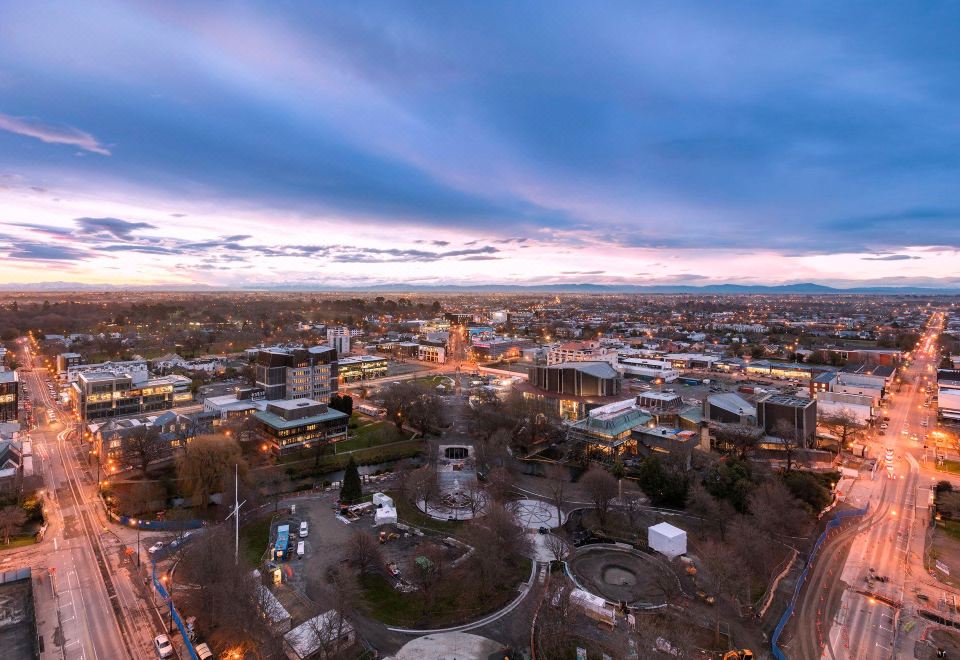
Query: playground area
[(622, 575)]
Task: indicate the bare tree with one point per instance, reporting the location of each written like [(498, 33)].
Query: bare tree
[(716, 512), (789, 439), (601, 487), (843, 425), (143, 445), (141, 497), (12, 518), (722, 566), (363, 552), (558, 478), (739, 438), (558, 548), (501, 484)]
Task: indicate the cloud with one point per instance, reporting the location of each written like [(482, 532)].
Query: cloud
[(119, 229), (582, 272), (43, 252), (51, 134), (890, 257)]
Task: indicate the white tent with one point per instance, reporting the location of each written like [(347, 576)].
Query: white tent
[(379, 499), (385, 515), (667, 539)]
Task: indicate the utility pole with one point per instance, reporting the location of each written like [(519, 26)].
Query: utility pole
[(235, 512)]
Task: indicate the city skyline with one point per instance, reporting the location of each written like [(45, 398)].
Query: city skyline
[(349, 147)]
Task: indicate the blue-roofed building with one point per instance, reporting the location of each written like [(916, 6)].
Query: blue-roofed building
[(288, 426), (606, 430)]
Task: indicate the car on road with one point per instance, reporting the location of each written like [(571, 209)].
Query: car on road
[(155, 547), (884, 425), (163, 646)]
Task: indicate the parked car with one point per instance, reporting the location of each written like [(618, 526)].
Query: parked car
[(303, 529), (155, 547), (163, 646)]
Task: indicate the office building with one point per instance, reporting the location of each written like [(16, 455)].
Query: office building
[(288, 426), (104, 394), (297, 372), (581, 351), (137, 369), (577, 379), (432, 353), (948, 395)]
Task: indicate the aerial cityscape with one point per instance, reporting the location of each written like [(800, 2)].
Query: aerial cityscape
[(479, 331)]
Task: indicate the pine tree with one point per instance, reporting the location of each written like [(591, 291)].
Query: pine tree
[(351, 491)]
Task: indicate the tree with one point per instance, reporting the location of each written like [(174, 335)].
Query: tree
[(717, 513), (733, 481), (363, 552), (790, 438), (601, 487), (144, 444), (722, 567), (775, 510), (557, 479), (343, 403), (352, 490), (141, 497), (843, 425), (558, 548), (662, 484), (11, 519), (206, 466), (738, 438)]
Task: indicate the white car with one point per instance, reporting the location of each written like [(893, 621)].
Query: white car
[(156, 546), (163, 646), (303, 529)]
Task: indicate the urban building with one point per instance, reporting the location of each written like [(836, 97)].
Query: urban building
[(9, 395), (288, 426), (799, 415), (948, 395), (730, 408), (577, 378), (362, 367), (497, 348), (859, 406), (241, 403), (647, 369), (297, 372), (120, 440), (432, 353), (581, 351), (607, 429), (103, 394), (67, 360), (137, 369)]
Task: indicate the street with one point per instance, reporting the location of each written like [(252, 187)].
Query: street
[(88, 605), (866, 613)]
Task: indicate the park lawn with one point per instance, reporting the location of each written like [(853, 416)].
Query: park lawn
[(950, 466), (305, 464), (370, 433), (452, 603), (19, 541), (254, 538)]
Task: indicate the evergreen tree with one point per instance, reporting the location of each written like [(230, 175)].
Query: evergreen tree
[(351, 491)]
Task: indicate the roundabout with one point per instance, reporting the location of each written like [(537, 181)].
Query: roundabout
[(534, 514)]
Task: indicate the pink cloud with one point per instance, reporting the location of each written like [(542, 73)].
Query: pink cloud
[(51, 134)]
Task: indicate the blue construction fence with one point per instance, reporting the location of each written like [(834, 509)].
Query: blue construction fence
[(158, 585), (834, 522), (156, 525)]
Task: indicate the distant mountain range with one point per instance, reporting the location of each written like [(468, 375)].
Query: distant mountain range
[(807, 288)]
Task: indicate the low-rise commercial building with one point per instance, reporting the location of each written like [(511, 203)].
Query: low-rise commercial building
[(362, 367), (67, 360), (288, 426), (432, 353), (577, 378), (137, 369), (948, 394)]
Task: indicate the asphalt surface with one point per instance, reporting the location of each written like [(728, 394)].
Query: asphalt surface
[(92, 606), (853, 605)]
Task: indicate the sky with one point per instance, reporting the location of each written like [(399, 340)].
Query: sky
[(334, 144)]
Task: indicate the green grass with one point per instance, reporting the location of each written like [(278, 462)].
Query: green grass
[(386, 603), (950, 466), (950, 527), (304, 464), (19, 541), (254, 538), (366, 432)]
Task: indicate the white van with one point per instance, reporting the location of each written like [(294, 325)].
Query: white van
[(301, 549), (303, 529), (203, 651)]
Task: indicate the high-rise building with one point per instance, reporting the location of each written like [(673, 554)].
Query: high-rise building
[(297, 372)]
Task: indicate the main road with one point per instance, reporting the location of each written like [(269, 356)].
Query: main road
[(853, 602), (94, 609)]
